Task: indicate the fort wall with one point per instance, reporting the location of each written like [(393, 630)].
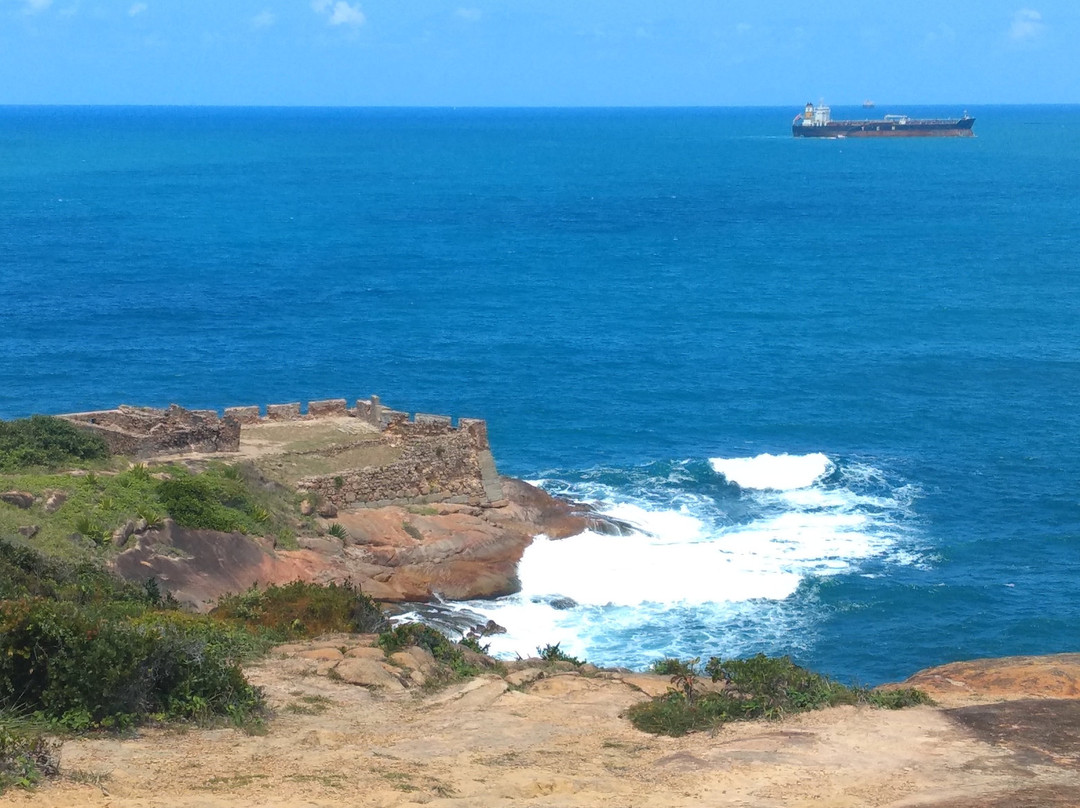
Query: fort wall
[(145, 431), (438, 460)]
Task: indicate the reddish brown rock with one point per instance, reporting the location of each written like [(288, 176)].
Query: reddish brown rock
[(392, 553), (1056, 676)]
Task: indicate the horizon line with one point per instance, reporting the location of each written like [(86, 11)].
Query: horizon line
[(455, 107)]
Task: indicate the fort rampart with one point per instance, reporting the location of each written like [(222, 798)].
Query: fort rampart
[(437, 460)]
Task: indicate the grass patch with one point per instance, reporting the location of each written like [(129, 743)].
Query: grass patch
[(233, 781), (309, 705), (222, 497), (334, 781), (759, 687)]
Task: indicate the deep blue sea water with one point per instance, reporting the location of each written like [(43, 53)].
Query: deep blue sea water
[(835, 383)]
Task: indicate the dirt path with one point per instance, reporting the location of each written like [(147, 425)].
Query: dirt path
[(559, 741)]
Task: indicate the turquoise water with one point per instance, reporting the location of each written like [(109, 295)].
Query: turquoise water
[(635, 300)]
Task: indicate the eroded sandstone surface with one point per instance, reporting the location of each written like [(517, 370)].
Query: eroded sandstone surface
[(548, 735)]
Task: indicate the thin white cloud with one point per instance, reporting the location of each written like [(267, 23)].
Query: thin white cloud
[(34, 6), (264, 19), (339, 12), (1027, 25), (137, 9), (470, 14), (344, 14)]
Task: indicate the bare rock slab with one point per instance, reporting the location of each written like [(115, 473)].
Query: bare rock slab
[(368, 673)]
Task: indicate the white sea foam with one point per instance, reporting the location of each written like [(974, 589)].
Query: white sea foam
[(776, 472), (691, 574)]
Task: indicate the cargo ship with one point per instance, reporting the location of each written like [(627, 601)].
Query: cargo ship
[(815, 121)]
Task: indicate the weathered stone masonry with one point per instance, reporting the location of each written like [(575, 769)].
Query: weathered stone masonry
[(144, 431), (438, 463), (438, 460)]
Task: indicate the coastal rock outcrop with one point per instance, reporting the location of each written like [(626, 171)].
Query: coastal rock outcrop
[(395, 553)]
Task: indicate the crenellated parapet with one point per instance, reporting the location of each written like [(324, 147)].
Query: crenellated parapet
[(437, 459)]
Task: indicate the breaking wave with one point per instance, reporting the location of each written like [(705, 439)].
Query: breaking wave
[(725, 558)]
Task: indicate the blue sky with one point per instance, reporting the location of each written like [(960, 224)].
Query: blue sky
[(538, 53)]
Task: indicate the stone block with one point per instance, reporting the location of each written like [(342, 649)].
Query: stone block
[(390, 418), (425, 418), (243, 415), (283, 412), (327, 407), (476, 429)]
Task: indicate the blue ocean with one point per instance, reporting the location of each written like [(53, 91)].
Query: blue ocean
[(835, 385)]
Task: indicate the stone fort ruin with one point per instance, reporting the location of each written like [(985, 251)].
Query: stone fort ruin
[(435, 459)]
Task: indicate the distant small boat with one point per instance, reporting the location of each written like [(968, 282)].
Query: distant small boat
[(867, 104)]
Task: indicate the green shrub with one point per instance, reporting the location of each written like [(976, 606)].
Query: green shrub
[(45, 441), (196, 503), (405, 635), (302, 609), (448, 653), (769, 687), (897, 699), (474, 644), (85, 667), (759, 687), (24, 572), (338, 531), (553, 653), (666, 667), (673, 714), (229, 498)]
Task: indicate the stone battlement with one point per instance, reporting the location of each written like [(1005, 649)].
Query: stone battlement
[(437, 460)]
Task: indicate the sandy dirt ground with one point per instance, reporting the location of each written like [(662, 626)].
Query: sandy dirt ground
[(559, 741)]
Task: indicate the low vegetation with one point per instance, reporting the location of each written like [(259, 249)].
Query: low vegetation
[(46, 442), (81, 650), (26, 755), (301, 609), (89, 507), (461, 661), (759, 687), (553, 653)]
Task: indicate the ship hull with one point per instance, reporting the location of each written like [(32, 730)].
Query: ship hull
[(845, 129)]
